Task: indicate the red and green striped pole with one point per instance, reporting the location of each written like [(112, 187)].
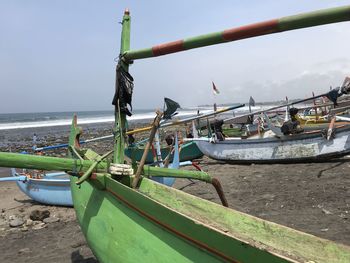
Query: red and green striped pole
[(316, 18)]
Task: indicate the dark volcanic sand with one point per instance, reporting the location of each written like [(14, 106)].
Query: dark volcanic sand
[(311, 197)]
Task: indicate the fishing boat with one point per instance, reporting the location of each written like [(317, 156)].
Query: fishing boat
[(188, 152), (290, 143), (272, 146), (318, 113), (126, 217), (169, 181), (48, 188), (304, 147)]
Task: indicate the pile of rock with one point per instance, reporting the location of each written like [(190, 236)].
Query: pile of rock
[(38, 219)]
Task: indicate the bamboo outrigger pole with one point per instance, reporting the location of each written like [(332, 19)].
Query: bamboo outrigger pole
[(76, 166), (316, 18)]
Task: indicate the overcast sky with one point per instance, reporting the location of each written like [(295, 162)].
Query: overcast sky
[(59, 55)]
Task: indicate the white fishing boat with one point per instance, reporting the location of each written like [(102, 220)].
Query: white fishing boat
[(311, 146)]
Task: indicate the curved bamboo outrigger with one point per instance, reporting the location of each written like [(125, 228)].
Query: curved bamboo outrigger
[(155, 223)]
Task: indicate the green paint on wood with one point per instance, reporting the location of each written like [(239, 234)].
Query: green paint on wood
[(321, 17), (262, 234), (123, 225), (99, 180), (165, 172), (203, 40), (74, 135), (189, 151), (120, 121), (116, 233), (141, 53), (125, 39), (331, 15), (28, 161), (163, 224)]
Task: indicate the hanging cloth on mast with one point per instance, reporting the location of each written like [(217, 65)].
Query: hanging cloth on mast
[(124, 87), (171, 107), (333, 96)]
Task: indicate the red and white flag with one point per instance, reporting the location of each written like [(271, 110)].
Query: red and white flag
[(215, 90)]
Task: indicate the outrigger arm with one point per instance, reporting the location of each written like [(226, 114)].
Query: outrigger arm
[(310, 19)]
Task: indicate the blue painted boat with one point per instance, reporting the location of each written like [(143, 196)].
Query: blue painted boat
[(54, 188), (50, 189), (169, 181)]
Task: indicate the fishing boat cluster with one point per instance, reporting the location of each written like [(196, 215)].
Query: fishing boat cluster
[(124, 198)]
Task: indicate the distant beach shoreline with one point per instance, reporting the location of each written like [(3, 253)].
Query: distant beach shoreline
[(13, 121)]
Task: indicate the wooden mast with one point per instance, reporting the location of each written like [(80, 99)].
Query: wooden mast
[(120, 117)]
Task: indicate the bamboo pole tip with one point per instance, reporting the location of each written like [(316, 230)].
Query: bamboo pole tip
[(127, 12)]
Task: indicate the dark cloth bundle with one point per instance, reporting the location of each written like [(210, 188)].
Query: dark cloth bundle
[(124, 87)]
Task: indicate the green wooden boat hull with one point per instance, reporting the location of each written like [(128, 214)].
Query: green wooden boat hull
[(156, 223), (159, 224), (189, 151)]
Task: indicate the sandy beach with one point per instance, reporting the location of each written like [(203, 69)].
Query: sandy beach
[(310, 197)]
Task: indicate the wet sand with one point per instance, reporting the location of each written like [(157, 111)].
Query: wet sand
[(311, 197)]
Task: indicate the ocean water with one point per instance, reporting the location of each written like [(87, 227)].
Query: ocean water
[(47, 119)]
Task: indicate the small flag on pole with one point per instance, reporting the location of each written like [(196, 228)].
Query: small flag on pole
[(215, 90), (251, 101), (251, 104), (170, 108)]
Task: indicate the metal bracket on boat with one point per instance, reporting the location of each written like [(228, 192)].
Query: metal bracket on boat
[(87, 174)]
